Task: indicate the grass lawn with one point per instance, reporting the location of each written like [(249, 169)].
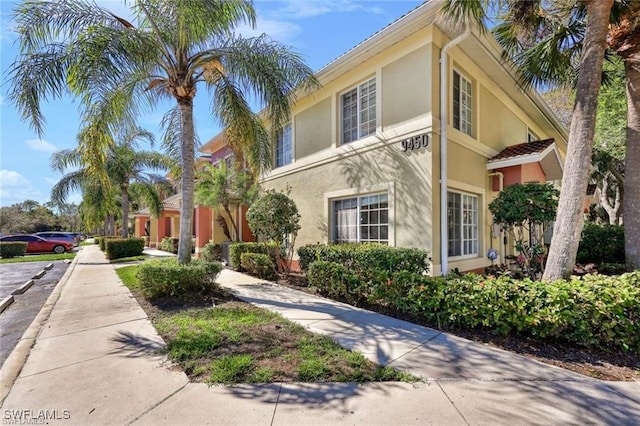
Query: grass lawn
[(39, 258), (235, 342)]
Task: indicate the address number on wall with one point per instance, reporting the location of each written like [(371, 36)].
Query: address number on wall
[(415, 142)]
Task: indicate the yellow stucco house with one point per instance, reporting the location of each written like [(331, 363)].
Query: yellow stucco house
[(413, 132)]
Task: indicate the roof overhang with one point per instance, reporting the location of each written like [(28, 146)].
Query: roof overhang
[(549, 160)]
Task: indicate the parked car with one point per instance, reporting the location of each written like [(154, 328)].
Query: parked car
[(36, 244), (60, 236)]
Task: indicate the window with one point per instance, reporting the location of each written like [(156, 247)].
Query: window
[(463, 224), (531, 136), (462, 104), (359, 111), (361, 219), (284, 146)]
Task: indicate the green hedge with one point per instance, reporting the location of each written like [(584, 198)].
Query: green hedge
[(167, 278), (236, 250), (12, 249), (169, 244), (366, 258), (102, 241), (592, 311), (258, 264), (601, 244), (211, 253), (117, 248)]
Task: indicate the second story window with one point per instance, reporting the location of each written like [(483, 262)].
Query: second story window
[(531, 136), (358, 111), (462, 104), (284, 146)]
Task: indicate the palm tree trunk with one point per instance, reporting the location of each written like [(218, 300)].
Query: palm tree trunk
[(125, 212), (570, 218), (186, 207), (233, 223), (631, 202)]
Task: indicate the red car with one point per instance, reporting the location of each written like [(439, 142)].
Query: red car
[(37, 244)]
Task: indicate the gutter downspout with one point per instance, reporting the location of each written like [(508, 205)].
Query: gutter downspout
[(444, 251), (503, 246)]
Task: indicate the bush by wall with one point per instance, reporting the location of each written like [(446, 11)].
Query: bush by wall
[(593, 311), (366, 258), (601, 244), (236, 250), (103, 242), (118, 248), (167, 278), (211, 253), (258, 264), (169, 244), (12, 249)]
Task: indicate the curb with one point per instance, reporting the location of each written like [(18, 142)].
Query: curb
[(24, 287), (48, 267), (18, 357), (39, 275), (4, 304)]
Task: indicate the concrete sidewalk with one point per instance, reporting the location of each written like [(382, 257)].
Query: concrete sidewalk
[(96, 359)]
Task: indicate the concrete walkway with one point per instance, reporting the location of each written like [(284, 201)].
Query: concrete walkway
[(93, 357)]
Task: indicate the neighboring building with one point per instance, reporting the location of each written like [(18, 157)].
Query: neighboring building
[(363, 153), (205, 226)]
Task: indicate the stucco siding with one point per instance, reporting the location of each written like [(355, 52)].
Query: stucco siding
[(405, 176), (500, 127), (406, 87), (313, 129)]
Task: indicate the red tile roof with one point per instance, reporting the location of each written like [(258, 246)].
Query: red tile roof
[(527, 148)]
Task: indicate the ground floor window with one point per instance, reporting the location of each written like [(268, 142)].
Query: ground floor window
[(462, 224), (361, 219)]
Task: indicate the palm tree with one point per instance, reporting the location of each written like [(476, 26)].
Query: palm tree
[(624, 39), (128, 171), (219, 186), (172, 47), (588, 58)]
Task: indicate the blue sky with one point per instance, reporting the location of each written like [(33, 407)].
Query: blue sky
[(320, 30)]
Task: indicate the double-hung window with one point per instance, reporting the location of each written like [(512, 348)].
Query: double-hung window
[(361, 219), (358, 107), (462, 224), (462, 104), (284, 146)]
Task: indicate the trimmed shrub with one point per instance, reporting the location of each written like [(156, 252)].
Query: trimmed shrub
[(103, 242), (366, 259), (335, 280), (236, 250), (211, 253), (13, 249), (601, 244), (117, 248), (166, 278), (97, 240), (169, 244), (258, 264), (591, 311)]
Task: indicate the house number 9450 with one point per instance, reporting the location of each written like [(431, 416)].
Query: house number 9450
[(416, 142)]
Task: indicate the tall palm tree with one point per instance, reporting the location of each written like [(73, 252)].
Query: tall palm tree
[(129, 173), (624, 39), (115, 67), (588, 58)]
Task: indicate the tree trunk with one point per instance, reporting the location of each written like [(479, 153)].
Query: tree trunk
[(125, 213), (570, 217), (233, 223), (631, 202), (187, 183)]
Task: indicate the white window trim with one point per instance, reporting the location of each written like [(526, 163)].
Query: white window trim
[(472, 121), (388, 187), (340, 141), (293, 147), (479, 197)]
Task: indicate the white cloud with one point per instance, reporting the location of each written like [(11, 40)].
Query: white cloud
[(10, 178), (51, 181), (282, 31), (310, 8), (15, 188), (41, 145)]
